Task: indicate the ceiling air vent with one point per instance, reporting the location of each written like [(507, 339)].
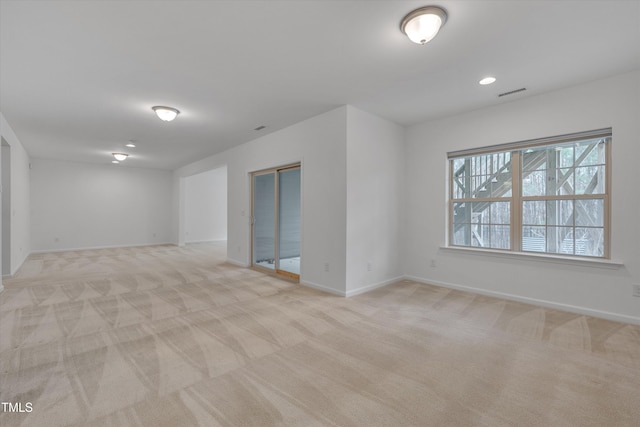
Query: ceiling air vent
[(260, 127), (511, 92)]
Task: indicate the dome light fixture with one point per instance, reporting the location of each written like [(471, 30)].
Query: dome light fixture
[(120, 156), (131, 144), (166, 114), (423, 24)]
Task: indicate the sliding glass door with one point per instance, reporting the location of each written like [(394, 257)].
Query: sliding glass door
[(276, 220), (264, 225), (289, 220)]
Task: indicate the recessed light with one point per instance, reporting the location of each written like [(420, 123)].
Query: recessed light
[(120, 156), (487, 80), (130, 145), (115, 162)]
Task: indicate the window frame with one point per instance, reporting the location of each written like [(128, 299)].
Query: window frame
[(517, 199)]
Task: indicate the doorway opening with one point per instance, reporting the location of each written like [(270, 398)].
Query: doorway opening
[(205, 211), (5, 169), (275, 220)]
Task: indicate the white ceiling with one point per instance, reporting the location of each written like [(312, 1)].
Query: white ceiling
[(78, 79)]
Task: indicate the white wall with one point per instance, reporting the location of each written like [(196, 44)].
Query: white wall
[(319, 144), (600, 290), (206, 206), (20, 197), (374, 201), (82, 205)]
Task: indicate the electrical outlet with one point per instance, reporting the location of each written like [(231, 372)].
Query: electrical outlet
[(369, 266), (635, 290), (326, 266), (433, 263)]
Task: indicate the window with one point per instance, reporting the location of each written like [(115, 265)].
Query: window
[(548, 196)]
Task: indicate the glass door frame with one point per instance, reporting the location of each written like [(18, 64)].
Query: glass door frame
[(275, 171)]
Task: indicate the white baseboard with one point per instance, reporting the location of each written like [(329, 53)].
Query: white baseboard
[(533, 301), (91, 248), (368, 288), (352, 292), (205, 241), (15, 270), (322, 288), (238, 263)]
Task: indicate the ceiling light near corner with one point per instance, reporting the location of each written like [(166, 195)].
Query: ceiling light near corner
[(487, 80), (165, 114), (131, 144), (120, 156), (423, 24)]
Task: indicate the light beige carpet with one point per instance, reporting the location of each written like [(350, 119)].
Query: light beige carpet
[(168, 336)]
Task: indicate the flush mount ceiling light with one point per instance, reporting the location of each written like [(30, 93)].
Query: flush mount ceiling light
[(131, 144), (165, 114), (120, 156), (487, 80), (423, 24)]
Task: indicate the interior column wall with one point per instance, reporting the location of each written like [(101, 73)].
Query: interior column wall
[(374, 201)]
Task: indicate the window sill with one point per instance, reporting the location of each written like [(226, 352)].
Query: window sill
[(559, 259)]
